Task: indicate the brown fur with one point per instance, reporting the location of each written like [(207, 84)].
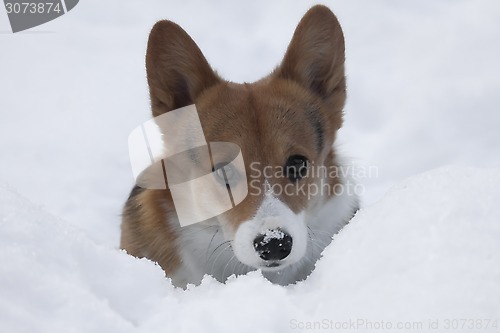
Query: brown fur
[(270, 119), (144, 231)]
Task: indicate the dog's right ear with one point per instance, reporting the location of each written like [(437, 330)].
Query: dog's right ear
[(177, 70), (315, 56)]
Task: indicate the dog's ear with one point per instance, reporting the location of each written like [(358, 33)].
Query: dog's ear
[(315, 56), (177, 70)]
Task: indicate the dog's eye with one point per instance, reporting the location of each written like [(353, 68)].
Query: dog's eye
[(296, 167), (224, 173)]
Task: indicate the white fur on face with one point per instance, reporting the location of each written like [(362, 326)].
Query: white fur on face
[(204, 249), (272, 214)]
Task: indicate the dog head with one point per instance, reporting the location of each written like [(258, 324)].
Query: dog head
[(285, 124)]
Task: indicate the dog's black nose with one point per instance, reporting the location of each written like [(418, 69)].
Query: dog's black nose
[(273, 245)]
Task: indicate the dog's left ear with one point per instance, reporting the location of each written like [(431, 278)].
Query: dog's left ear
[(176, 68), (315, 56)]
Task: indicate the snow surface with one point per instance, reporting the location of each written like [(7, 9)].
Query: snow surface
[(428, 250), (423, 82)]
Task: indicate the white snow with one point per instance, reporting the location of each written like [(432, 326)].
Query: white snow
[(423, 82), (272, 234), (427, 251)]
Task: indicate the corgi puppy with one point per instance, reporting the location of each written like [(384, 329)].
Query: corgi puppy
[(285, 125)]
